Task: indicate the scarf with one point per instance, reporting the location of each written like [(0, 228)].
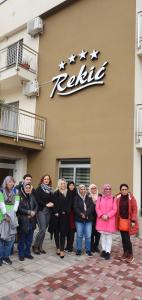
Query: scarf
[(46, 188), (83, 198), (94, 197), (9, 196), (26, 195)]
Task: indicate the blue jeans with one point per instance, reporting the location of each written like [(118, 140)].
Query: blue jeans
[(5, 248), (25, 242), (83, 229)]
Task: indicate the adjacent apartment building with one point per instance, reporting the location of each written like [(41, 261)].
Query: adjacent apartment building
[(70, 88)]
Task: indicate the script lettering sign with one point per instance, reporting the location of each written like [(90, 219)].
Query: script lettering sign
[(65, 85)]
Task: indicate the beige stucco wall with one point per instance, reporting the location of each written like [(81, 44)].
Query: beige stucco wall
[(97, 122)]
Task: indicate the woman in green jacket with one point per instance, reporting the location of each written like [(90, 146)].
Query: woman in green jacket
[(9, 202)]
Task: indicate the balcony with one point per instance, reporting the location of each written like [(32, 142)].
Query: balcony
[(18, 60), (139, 125), (21, 126), (139, 33)]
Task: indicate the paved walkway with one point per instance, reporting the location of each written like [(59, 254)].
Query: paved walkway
[(77, 278)]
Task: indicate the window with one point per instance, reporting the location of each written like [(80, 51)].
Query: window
[(77, 170), (139, 30), (12, 53)]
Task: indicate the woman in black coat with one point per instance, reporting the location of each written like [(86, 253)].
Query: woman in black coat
[(27, 221), (71, 193), (60, 216), (44, 198)]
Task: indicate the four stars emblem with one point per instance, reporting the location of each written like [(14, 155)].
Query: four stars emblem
[(82, 55)]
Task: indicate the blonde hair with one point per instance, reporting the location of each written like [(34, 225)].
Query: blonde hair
[(60, 181)]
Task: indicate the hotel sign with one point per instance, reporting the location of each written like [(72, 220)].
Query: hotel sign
[(65, 85)]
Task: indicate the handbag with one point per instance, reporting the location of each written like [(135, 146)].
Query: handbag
[(123, 224)]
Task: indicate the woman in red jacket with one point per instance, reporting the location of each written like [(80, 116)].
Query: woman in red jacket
[(126, 220)]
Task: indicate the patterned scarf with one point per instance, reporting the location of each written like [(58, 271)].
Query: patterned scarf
[(46, 188), (9, 196)]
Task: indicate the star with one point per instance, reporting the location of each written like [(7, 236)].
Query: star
[(83, 54), (62, 65), (94, 54), (72, 58)]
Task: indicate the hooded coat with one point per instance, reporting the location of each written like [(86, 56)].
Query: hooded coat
[(106, 205)]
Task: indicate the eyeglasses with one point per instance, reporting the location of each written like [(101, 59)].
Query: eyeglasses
[(124, 189), (108, 189)]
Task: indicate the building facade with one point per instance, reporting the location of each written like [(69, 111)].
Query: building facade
[(95, 124)]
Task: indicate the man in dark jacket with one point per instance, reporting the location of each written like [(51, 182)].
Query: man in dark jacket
[(27, 179), (83, 209)]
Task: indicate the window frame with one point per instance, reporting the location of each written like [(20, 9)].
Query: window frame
[(74, 166)]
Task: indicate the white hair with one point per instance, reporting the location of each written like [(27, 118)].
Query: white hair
[(6, 180)]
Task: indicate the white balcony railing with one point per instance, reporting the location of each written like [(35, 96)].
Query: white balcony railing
[(139, 30), (21, 124), (138, 123), (19, 55)]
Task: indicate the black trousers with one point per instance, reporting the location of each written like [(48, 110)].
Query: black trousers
[(97, 235), (70, 239), (59, 239), (126, 242)]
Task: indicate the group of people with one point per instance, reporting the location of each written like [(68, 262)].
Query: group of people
[(63, 212)]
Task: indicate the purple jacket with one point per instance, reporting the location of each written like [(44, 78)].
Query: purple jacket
[(106, 205)]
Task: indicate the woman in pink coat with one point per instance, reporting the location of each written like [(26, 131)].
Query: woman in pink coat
[(106, 209)]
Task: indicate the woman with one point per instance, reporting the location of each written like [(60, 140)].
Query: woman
[(44, 198), (9, 202), (93, 193), (61, 211), (106, 210), (126, 220), (71, 193), (27, 221), (83, 209)]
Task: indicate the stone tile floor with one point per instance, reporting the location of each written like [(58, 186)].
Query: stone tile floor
[(77, 278)]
